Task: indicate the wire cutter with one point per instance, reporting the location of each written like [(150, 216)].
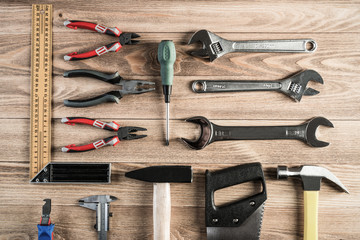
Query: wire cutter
[(128, 87), (124, 39), (46, 228), (123, 133)]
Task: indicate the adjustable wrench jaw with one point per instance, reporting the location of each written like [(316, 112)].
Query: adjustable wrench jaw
[(295, 86), (213, 45)]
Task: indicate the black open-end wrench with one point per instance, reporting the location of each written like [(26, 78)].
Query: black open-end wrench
[(294, 86), (214, 46), (211, 132)]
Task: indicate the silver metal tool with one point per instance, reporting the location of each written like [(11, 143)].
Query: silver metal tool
[(211, 132), (294, 86), (214, 46), (100, 204), (237, 220)]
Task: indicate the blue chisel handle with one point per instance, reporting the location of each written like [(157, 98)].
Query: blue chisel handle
[(46, 232)]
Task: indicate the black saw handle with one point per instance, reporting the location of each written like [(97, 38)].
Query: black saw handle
[(113, 96), (113, 78), (240, 210)]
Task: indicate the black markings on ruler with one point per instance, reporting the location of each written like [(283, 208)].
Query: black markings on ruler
[(41, 75)]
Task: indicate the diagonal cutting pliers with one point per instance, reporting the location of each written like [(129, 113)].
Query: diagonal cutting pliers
[(128, 87), (124, 39), (123, 133)]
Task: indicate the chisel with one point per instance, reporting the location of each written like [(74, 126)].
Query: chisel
[(167, 57)]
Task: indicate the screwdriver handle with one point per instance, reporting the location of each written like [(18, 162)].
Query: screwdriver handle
[(167, 57)]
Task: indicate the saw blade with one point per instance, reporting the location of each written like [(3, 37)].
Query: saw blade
[(249, 230)]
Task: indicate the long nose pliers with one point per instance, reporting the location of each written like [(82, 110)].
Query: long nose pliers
[(123, 133), (124, 39)]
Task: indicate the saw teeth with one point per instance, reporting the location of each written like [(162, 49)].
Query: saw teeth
[(261, 218)]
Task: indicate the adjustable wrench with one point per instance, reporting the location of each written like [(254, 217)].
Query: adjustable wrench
[(211, 132), (214, 46), (294, 86)]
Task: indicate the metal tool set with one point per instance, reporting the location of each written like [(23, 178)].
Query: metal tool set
[(241, 219)]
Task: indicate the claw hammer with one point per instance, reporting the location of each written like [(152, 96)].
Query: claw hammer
[(311, 178)]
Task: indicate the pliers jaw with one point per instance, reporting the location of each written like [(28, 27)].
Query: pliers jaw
[(126, 133), (135, 86), (127, 39)]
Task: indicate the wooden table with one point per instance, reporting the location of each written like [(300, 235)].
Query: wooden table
[(335, 25)]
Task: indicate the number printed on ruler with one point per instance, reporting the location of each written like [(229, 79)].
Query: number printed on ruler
[(41, 87)]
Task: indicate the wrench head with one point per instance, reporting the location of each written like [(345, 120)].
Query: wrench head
[(295, 86), (205, 135), (213, 45), (311, 127)]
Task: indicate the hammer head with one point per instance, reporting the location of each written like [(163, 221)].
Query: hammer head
[(163, 174), (311, 176)]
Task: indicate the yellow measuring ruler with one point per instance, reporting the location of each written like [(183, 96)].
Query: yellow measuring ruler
[(41, 87)]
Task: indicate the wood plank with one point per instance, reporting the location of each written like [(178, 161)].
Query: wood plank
[(341, 76), (187, 223), (335, 56), (334, 25), (133, 210), (343, 149), (188, 16), (287, 193)]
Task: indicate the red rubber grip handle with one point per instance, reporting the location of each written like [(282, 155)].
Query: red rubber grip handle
[(112, 126), (110, 141), (74, 24), (73, 120), (112, 47)]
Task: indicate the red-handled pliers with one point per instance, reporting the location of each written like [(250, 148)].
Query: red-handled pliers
[(123, 133), (124, 39)]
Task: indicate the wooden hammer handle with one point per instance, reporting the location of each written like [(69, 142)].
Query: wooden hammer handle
[(311, 215), (161, 211)]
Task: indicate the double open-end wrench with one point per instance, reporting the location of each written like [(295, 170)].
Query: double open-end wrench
[(211, 132), (214, 46), (294, 86)]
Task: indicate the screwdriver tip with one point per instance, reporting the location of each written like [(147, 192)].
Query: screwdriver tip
[(167, 142)]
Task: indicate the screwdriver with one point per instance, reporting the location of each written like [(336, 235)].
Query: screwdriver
[(167, 57)]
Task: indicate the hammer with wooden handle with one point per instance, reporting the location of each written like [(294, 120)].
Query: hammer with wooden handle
[(311, 178), (162, 176)]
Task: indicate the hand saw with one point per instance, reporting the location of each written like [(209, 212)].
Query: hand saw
[(239, 220)]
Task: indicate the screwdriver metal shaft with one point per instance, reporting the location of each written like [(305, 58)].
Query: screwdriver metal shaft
[(167, 123), (167, 57)]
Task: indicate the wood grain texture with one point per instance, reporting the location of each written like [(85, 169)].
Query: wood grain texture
[(180, 16), (338, 65), (335, 25)]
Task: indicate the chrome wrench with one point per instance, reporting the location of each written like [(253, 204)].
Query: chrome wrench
[(214, 46)]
